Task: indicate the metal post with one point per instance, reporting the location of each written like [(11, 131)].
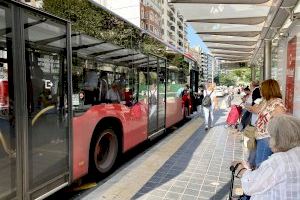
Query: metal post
[(20, 99), (70, 91), (267, 59), (261, 71), (253, 73)]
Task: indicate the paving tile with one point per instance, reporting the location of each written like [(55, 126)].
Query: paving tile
[(183, 178), (208, 188), (188, 197), (172, 195), (191, 192), (194, 186), (152, 197), (204, 194), (159, 193), (181, 183), (177, 189)]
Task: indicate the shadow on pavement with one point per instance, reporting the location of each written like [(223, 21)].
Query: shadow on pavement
[(178, 162)]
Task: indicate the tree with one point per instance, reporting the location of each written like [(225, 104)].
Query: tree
[(227, 79), (236, 76)]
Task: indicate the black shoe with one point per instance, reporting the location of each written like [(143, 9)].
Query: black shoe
[(206, 128)]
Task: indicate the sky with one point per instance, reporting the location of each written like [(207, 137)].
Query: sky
[(194, 39)]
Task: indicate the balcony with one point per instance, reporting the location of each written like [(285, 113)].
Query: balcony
[(179, 24), (180, 17), (170, 14), (171, 43), (180, 43), (180, 27), (172, 19), (171, 35), (172, 28), (180, 35), (172, 8)]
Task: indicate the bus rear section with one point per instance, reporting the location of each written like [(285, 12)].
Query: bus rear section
[(121, 97)]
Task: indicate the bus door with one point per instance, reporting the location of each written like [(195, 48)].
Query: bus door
[(156, 95), (152, 95), (161, 93)]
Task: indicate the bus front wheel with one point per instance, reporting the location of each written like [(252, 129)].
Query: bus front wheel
[(104, 151)]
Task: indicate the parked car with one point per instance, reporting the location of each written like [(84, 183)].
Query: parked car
[(219, 92)]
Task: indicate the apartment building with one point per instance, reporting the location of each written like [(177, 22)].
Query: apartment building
[(210, 67), (154, 16), (173, 27), (151, 12), (196, 54)]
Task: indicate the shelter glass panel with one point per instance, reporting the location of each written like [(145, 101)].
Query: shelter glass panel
[(7, 112), (46, 75)]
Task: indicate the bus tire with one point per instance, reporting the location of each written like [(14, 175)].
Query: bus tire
[(104, 151)]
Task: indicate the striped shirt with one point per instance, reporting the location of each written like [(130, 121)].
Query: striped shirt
[(277, 178)]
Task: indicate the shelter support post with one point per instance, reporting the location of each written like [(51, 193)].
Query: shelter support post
[(261, 71), (253, 73), (267, 60)]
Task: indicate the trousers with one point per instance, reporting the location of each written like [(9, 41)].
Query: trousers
[(208, 114), (263, 151)]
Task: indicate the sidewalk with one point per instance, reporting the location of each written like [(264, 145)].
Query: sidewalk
[(188, 164)]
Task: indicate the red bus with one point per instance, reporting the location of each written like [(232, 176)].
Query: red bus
[(75, 101)]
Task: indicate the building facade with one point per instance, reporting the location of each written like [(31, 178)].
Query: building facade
[(151, 12), (155, 16), (174, 29)]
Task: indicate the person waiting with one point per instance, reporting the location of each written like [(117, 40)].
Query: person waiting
[(278, 177), (271, 106), (113, 95)]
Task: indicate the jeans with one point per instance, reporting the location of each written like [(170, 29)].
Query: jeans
[(208, 113), (251, 158), (263, 151)]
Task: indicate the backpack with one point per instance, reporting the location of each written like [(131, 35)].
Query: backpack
[(206, 102)]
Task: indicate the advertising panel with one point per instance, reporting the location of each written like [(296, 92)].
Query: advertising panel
[(290, 74)]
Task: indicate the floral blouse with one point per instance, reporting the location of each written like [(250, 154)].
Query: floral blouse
[(265, 115)]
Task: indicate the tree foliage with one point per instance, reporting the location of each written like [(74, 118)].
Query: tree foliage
[(177, 59), (101, 24), (236, 77)]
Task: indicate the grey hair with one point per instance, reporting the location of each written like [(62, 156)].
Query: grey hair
[(285, 132)]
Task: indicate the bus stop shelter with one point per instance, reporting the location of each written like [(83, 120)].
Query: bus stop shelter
[(239, 30)]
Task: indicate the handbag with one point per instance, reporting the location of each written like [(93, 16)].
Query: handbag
[(249, 132)]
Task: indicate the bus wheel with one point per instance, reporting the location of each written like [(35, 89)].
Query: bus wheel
[(104, 151)]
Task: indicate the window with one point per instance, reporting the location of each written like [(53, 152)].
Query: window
[(151, 16), (151, 28), (142, 12), (94, 82)]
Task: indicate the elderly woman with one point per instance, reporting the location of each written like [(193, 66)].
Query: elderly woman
[(271, 106), (279, 176)]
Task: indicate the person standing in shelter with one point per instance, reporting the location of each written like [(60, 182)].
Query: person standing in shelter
[(229, 99), (199, 98), (246, 115), (272, 105), (103, 87), (209, 103), (256, 97), (113, 95), (186, 100)]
